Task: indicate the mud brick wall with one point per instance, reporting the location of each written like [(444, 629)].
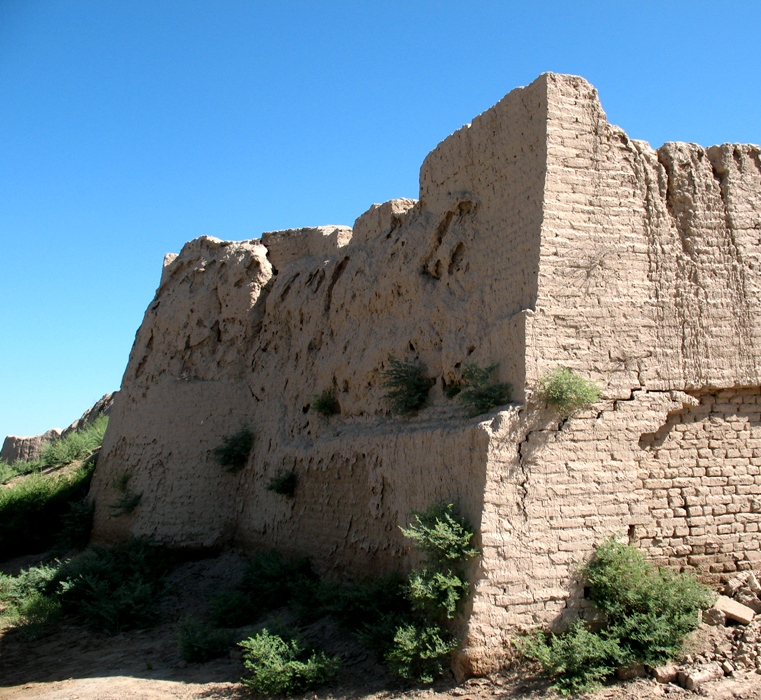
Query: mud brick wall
[(543, 236), (700, 476)]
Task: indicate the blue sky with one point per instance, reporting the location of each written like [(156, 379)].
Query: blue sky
[(129, 127)]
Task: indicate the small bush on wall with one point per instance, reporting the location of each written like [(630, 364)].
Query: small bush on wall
[(284, 483), (234, 450), (407, 385), (476, 392), (567, 392), (325, 403)]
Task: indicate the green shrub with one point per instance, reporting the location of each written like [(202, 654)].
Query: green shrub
[(419, 652), (407, 385), (78, 444), (284, 483), (649, 610), (567, 392), (269, 582), (128, 500), (76, 525), (199, 642), (422, 642), (234, 450), (476, 392), (32, 509), (280, 667), (577, 660), (358, 604), (27, 602), (36, 579), (325, 403), (18, 468), (114, 588), (436, 593), (442, 534), (648, 614)]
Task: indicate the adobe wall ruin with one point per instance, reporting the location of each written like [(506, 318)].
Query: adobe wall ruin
[(543, 236)]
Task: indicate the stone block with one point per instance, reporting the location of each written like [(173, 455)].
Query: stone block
[(734, 610)]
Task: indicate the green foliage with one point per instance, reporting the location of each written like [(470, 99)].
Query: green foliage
[(577, 660), (325, 403), (436, 593), (76, 525), (284, 483), (442, 534), (78, 444), (422, 642), (649, 610), (32, 509), (18, 468), (199, 642), (114, 588), (282, 667), (407, 385), (128, 500), (269, 582), (27, 603), (567, 392), (476, 392), (234, 450), (418, 652), (36, 615)]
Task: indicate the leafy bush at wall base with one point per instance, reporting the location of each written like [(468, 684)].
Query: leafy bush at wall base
[(325, 403), (407, 386), (476, 392), (284, 484), (27, 602), (199, 642), (567, 392), (649, 610), (577, 660), (422, 644), (234, 450), (358, 605), (436, 594), (282, 667), (114, 588), (270, 581), (442, 534), (420, 653), (648, 614), (32, 510), (76, 526)]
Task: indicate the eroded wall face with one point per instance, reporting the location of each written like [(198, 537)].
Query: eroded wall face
[(554, 489), (649, 273), (240, 334)]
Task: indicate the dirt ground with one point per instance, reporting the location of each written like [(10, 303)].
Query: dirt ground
[(145, 664)]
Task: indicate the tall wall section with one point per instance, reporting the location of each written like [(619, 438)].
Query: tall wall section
[(648, 283), (543, 236)]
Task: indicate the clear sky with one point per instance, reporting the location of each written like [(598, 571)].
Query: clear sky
[(128, 127)]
